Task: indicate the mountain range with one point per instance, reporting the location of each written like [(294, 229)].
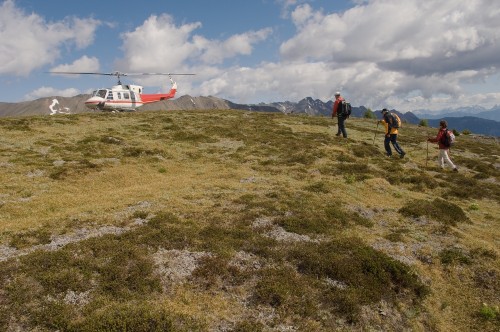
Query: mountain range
[(477, 120), (475, 111)]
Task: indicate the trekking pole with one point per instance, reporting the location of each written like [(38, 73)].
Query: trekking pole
[(375, 133)]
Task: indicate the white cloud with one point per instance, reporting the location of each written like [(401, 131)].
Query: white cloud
[(28, 42), (382, 53), (83, 64), (46, 91), (159, 45), (215, 51)]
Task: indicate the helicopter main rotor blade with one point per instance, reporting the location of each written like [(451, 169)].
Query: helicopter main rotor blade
[(147, 74), (82, 73), (116, 73)]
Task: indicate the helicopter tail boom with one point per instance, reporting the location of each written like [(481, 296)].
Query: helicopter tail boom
[(151, 98)]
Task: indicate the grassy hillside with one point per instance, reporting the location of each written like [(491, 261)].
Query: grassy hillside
[(239, 221)]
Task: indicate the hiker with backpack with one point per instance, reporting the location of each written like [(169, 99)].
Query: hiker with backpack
[(392, 123), (341, 109), (444, 139)]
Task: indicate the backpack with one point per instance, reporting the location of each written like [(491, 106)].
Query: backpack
[(345, 108), (394, 120), (448, 138)]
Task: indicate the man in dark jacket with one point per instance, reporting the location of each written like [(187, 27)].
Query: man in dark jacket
[(340, 116)]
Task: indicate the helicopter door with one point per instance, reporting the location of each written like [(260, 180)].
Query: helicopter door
[(132, 98)]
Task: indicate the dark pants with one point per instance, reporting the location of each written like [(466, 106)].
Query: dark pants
[(392, 139), (341, 124)]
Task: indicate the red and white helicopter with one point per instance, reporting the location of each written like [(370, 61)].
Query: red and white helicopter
[(124, 97)]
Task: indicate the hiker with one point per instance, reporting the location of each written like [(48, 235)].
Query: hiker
[(391, 133), (340, 117), (443, 149)]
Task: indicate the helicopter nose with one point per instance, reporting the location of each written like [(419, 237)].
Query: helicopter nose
[(94, 102)]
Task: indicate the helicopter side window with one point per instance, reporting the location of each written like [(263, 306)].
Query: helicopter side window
[(119, 95), (101, 93), (126, 95), (110, 95)]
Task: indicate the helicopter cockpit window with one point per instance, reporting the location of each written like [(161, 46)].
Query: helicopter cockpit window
[(101, 93)]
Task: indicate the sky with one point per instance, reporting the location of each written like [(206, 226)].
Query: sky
[(407, 55)]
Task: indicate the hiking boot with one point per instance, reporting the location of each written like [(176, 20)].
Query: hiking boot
[(455, 169), (402, 155), (337, 134)]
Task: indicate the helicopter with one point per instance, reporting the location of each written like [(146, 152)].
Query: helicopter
[(123, 97)]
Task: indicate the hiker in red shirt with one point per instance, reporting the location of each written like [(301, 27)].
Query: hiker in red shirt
[(443, 149), (340, 117)]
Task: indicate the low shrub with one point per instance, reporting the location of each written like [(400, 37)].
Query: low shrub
[(369, 275), (424, 123), (396, 235), (30, 238), (321, 221), (440, 210), (135, 316), (285, 290), (248, 326), (318, 187), (454, 255), (365, 150)]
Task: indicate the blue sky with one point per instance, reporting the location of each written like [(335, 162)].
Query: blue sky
[(409, 55)]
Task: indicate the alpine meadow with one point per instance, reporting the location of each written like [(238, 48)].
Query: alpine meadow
[(226, 220)]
